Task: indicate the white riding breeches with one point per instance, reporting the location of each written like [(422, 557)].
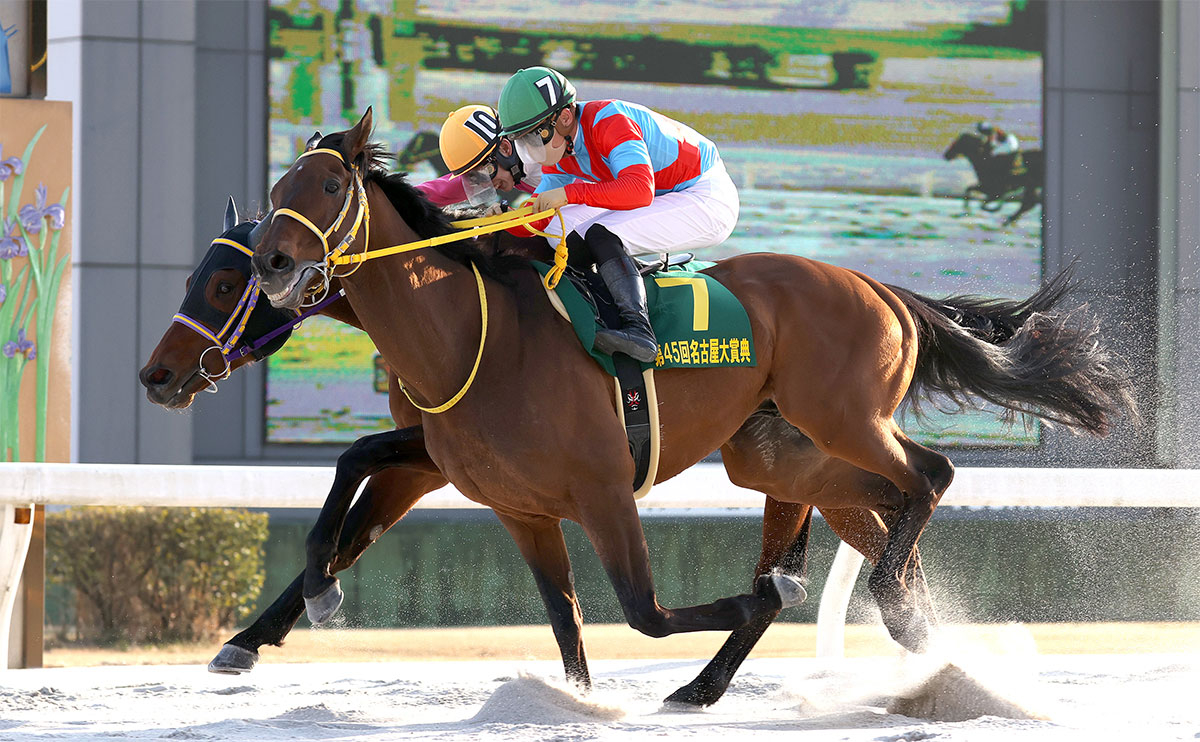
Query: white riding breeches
[(701, 216)]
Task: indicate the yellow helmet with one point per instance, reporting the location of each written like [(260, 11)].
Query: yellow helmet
[(468, 137)]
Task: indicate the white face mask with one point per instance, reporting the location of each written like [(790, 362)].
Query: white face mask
[(531, 148), (479, 188)]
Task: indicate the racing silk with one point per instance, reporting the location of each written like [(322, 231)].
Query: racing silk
[(1003, 143), (626, 154)]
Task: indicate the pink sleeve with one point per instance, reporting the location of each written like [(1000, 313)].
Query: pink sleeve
[(522, 186), (444, 191)]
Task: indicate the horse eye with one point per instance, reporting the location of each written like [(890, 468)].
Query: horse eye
[(331, 186), (224, 288)]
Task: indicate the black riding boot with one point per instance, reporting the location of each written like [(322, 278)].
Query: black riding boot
[(635, 338)]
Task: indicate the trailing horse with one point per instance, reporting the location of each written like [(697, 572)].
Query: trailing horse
[(528, 427), (997, 179)]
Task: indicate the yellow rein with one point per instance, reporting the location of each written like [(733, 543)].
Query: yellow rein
[(476, 228), (483, 311), (469, 228)]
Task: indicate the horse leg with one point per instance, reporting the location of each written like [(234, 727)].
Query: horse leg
[(610, 519), (388, 496), (967, 197), (367, 456), (862, 432), (921, 477), (541, 543), (1028, 201), (770, 455), (785, 544)]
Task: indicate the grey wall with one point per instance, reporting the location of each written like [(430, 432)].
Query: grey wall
[(171, 115), (169, 112)]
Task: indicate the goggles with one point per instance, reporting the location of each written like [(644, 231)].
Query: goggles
[(478, 186), (531, 145)]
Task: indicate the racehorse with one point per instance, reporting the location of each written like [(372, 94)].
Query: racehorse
[(528, 427), (400, 470), (997, 181)]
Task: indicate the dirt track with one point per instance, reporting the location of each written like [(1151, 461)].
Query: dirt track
[(611, 641)]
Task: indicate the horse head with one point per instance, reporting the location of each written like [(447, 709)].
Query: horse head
[(968, 144), (317, 194), (211, 335)]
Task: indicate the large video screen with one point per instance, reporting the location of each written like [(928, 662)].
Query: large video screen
[(839, 121)]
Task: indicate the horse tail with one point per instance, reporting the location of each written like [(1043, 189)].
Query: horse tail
[(1023, 356)]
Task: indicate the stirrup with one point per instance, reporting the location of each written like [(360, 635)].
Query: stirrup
[(635, 345)]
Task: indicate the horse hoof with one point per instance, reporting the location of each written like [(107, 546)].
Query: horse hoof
[(321, 608), (915, 635), (233, 660), (791, 592), (691, 698)]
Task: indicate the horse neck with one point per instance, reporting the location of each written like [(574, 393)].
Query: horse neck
[(978, 158), (340, 310), (420, 308)]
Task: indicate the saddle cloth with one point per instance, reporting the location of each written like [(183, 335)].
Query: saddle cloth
[(698, 322)]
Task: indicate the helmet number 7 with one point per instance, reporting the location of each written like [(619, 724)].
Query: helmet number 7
[(546, 84)]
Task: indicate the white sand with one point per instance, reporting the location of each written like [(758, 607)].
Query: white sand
[(1125, 697)]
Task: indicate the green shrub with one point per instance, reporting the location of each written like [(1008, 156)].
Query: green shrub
[(156, 574)]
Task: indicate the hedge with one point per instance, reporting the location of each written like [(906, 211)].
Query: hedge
[(156, 574)]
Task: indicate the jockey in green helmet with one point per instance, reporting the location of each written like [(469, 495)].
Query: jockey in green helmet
[(626, 178)]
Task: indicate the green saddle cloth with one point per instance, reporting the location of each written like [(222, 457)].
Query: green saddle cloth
[(698, 322)]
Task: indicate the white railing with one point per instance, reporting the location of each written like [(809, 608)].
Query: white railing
[(704, 486)]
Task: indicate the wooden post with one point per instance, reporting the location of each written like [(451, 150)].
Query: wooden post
[(33, 594)]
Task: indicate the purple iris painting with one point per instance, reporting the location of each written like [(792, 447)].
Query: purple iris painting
[(21, 345), (9, 167), (32, 215), (12, 243)]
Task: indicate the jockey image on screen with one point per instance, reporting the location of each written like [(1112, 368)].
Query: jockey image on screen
[(629, 180), (999, 141), (482, 163), (1002, 145)]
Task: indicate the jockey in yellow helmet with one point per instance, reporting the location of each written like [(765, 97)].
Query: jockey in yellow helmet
[(481, 162)]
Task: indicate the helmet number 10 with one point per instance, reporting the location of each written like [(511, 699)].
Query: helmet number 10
[(484, 124)]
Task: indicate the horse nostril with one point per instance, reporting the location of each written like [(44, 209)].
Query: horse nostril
[(277, 261), (155, 376)]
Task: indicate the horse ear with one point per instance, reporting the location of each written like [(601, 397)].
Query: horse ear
[(312, 142), (231, 215), (356, 139)]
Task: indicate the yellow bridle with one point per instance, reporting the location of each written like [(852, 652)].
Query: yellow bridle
[(468, 228)]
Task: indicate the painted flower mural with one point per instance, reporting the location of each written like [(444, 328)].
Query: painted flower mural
[(31, 271)]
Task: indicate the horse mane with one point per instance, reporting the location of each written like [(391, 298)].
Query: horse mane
[(418, 212)]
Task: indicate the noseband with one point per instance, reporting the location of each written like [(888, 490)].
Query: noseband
[(363, 220), (227, 341)]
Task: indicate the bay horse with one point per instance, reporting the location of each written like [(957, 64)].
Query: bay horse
[(761, 454), (996, 178), (529, 428)]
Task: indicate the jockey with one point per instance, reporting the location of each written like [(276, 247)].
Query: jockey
[(481, 162), (1000, 142), (627, 179)]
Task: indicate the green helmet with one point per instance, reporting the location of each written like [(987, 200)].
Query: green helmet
[(530, 96)]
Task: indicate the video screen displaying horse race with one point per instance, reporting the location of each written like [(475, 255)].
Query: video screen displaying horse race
[(853, 129)]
